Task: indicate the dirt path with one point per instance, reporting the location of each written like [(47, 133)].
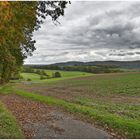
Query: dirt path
[(38, 120)]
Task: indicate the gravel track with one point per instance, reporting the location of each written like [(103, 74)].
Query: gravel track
[(39, 120)]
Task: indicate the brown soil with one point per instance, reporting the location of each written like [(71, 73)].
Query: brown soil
[(69, 93)]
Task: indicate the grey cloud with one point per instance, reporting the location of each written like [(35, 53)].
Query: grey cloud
[(91, 31), (137, 52), (107, 28)]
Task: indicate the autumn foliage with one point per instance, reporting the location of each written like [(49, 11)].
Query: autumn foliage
[(18, 21)]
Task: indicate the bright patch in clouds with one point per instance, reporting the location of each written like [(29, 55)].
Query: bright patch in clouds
[(90, 31)]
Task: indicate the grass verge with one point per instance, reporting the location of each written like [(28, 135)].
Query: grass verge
[(8, 126)]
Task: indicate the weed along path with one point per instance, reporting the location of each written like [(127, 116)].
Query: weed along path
[(38, 120)]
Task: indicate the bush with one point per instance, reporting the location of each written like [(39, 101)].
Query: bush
[(29, 79), (38, 72), (56, 74), (48, 76), (42, 77), (43, 73), (21, 77)]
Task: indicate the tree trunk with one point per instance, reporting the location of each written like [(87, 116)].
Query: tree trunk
[(6, 73)]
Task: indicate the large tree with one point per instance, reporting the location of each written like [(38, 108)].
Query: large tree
[(18, 21)]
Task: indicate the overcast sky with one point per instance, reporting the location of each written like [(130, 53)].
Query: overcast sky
[(90, 31)]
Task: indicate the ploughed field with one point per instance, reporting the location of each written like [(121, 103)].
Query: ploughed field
[(110, 101)]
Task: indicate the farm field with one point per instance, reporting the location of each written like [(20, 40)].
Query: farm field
[(64, 75), (110, 101)]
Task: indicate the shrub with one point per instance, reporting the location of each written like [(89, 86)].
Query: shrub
[(29, 79), (21, 77), (56, 74), (43, 73), (42, 77), (48, 76), (38, 72)]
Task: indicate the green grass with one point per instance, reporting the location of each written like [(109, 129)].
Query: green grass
[(130, 127), (53, 81), (68, 73), (6, 89), (106, 84), (65, 75), (129, 70), (8, 126), (126, 110), (126, 126), (112, 99), (32, 76), (109, 99)]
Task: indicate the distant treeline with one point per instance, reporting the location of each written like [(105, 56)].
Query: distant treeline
[(90, 69)]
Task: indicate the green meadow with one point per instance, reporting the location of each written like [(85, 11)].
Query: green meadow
[(64, 75)]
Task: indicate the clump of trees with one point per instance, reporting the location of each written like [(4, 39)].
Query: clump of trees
[(18, 21), (92, 69), (56, 75)]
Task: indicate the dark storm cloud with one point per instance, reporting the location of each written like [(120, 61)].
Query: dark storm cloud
[(91, 31), (112, 29)]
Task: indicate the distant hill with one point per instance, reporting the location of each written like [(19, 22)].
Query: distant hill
[(70, 63), (121, 64)]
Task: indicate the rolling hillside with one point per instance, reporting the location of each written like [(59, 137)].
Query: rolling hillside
[(120, 64)]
